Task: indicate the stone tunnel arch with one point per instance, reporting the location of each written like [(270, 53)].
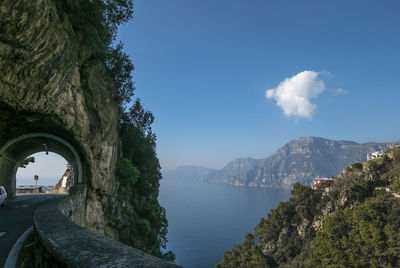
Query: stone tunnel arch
[(18, 148)]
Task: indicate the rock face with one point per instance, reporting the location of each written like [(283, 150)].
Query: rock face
[(238, 172), (300, 160), (65, 183), (186, 173), (51, 82)]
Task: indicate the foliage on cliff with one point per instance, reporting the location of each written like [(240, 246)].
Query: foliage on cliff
[(141, 220), (138, 176), (96, 23), (354, 224), (366, 235)]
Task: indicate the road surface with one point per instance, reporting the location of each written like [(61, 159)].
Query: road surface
[(15, 218)]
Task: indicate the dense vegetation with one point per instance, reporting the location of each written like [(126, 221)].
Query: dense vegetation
[(138, 176), (355, 222), (142, 219)]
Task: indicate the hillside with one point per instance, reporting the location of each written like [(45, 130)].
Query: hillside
[(186, 173), (298, 161), (353, 222)]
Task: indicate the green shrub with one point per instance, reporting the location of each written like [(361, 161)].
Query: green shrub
[(126, 172), (357, 166), (396, 157)]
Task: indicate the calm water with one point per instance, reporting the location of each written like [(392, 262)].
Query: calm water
[(207, 219)]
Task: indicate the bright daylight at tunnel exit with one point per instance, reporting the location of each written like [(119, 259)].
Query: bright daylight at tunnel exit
[(199, 134), (53, 174)]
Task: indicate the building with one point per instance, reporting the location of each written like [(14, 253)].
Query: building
[(395, 196), (374, 155), (321, 182)]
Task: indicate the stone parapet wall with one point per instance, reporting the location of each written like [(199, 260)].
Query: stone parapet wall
[(74, 206), (74, 246)]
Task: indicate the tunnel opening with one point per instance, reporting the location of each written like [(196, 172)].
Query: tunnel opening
[(15, 151), (44, 172), (24, 133)]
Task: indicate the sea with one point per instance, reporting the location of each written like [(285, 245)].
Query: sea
[(207, 219)]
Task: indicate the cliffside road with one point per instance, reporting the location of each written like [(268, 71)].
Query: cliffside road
[(15, 218)]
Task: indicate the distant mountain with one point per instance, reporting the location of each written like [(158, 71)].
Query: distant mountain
[(186, 173), (300, 160)]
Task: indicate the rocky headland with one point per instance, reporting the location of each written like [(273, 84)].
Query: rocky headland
[(298, 161)]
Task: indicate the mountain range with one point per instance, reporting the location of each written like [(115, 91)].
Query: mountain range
[(186, 173), (298, 161)]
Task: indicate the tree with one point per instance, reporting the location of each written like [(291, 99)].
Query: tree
[(363, 236), (24, 163), (246, 255)]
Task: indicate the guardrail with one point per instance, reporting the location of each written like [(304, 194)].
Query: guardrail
[(75, 246)]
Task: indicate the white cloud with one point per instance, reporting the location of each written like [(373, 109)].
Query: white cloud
[(339, 91), (293, 94)]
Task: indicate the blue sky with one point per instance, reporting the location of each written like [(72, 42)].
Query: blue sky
[(203, 69), (49, 168)]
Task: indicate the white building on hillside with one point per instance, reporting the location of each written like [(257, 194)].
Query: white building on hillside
[(373, 155), (321, 182)]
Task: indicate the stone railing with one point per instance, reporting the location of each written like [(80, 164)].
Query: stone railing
[(72, 245)]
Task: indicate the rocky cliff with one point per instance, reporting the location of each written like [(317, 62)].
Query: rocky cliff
[(186, 173), (298, 161), (237, 172), (351, 222), (51, 81)]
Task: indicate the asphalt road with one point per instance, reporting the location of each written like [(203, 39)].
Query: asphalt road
[(15, 218)]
